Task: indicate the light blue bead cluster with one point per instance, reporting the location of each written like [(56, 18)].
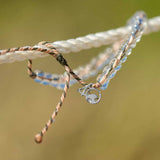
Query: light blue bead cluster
[(54, 78), (137, 31), (57, 81)]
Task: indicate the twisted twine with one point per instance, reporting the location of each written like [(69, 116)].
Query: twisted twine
[(81, 43), (139, 25)]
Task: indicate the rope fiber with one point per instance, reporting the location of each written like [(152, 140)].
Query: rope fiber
[(81, 43)]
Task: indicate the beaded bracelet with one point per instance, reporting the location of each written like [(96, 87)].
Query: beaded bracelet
[(111, 69), (85, 72), (138, 25)]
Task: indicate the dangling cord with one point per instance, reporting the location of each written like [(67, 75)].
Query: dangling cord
[(62, 61), (59, 57), (39, 136), (86, 71)]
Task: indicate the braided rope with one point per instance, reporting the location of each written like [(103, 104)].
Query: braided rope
[(81, 43)]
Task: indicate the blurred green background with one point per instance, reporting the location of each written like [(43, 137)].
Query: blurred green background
[(125, 125)]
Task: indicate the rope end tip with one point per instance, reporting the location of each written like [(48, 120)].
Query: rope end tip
[(38, 138)]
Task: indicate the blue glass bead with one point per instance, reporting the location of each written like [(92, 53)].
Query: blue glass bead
[(48, 76), (137, 27), (45, 82), (129, 52), (133, 45), (134, 34), (62, 86), (138, 38), (41, 74), (56, 78), (118, 68), (37, 80), (104, 86), (140, 20), (112, 75), (124, 59)]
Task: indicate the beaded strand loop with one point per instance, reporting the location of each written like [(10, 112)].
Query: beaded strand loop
[(111, 60)]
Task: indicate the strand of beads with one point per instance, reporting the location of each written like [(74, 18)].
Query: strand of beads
[(138, 26), (85, 72), (112, 60)]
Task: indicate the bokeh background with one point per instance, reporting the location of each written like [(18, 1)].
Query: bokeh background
[(125, 125)]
